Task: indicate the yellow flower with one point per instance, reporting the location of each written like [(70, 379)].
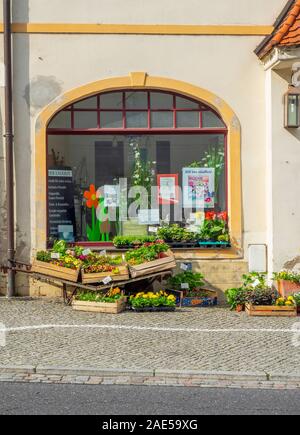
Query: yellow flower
[(171, 298)]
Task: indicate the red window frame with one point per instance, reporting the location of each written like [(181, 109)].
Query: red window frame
[(124, 131)]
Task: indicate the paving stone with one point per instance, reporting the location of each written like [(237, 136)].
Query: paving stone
[(109, 350)]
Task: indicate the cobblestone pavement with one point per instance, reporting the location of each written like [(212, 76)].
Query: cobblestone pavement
[(181, 340)]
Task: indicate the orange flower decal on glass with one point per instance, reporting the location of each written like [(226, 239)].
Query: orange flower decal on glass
[(91, 197)]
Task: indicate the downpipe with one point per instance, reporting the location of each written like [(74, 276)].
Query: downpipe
[(9, 145)]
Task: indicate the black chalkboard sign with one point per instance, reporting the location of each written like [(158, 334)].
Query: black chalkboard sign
[(61, 209)]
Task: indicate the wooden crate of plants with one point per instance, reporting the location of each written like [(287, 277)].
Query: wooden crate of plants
[(100, 307), (272, 310), (120, 274), (55, 271), (166, 262)]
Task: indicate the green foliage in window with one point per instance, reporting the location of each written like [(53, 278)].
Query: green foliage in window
[(214, 230), (175, 233)]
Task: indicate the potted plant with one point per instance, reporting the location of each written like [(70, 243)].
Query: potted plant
[(236, 298), (150, 258), (177, 237), (214, 231), (59, 262), (113, 302), (288, 282), (194, 295), (95, 268), (160, 301)]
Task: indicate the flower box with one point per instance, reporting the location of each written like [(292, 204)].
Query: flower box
[(93, 278), (287, 288), (101, 307), (166, 262), (55, 271), (272, 310), (198, 301)]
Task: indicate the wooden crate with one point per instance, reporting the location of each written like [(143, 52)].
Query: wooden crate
[(264, 310), (55, 271), (93, 278), (160, 265), (287, 288), (100, 307)]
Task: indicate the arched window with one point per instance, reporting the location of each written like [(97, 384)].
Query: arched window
[(121, 139)]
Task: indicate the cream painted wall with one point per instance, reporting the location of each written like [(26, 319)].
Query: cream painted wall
[(283, 178), (261, 12), (45, 66)]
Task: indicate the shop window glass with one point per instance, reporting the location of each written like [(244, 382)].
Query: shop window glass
[(89, 103), (105, 160), (85, 120), (188, 164), (160, 100), (111, 119), (211, 120), (188, 119), (183, 103), (136, 100), (137, 119), (113, 100), (61, 120), (162, 119)]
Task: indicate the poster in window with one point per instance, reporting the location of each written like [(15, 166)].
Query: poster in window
[(167, 189), (198, 188), (61, 208)]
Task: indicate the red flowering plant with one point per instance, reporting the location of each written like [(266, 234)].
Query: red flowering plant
[(212, 216)]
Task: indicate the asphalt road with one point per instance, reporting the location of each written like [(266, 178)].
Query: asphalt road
[(50, 399)]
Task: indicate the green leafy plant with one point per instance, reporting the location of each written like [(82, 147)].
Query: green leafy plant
[(124, 241), (95, 263), (236, 296), (175, 233), (44, 256), (256, 279), (254, 286), (194, 280), (142, 172), (60, 247), (113, 295), (215, 230), (147, 252), (262, 296)]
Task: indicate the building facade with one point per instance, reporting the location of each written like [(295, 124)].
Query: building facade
[(98, 82)]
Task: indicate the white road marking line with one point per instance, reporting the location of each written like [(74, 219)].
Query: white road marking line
[(150, 328)]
